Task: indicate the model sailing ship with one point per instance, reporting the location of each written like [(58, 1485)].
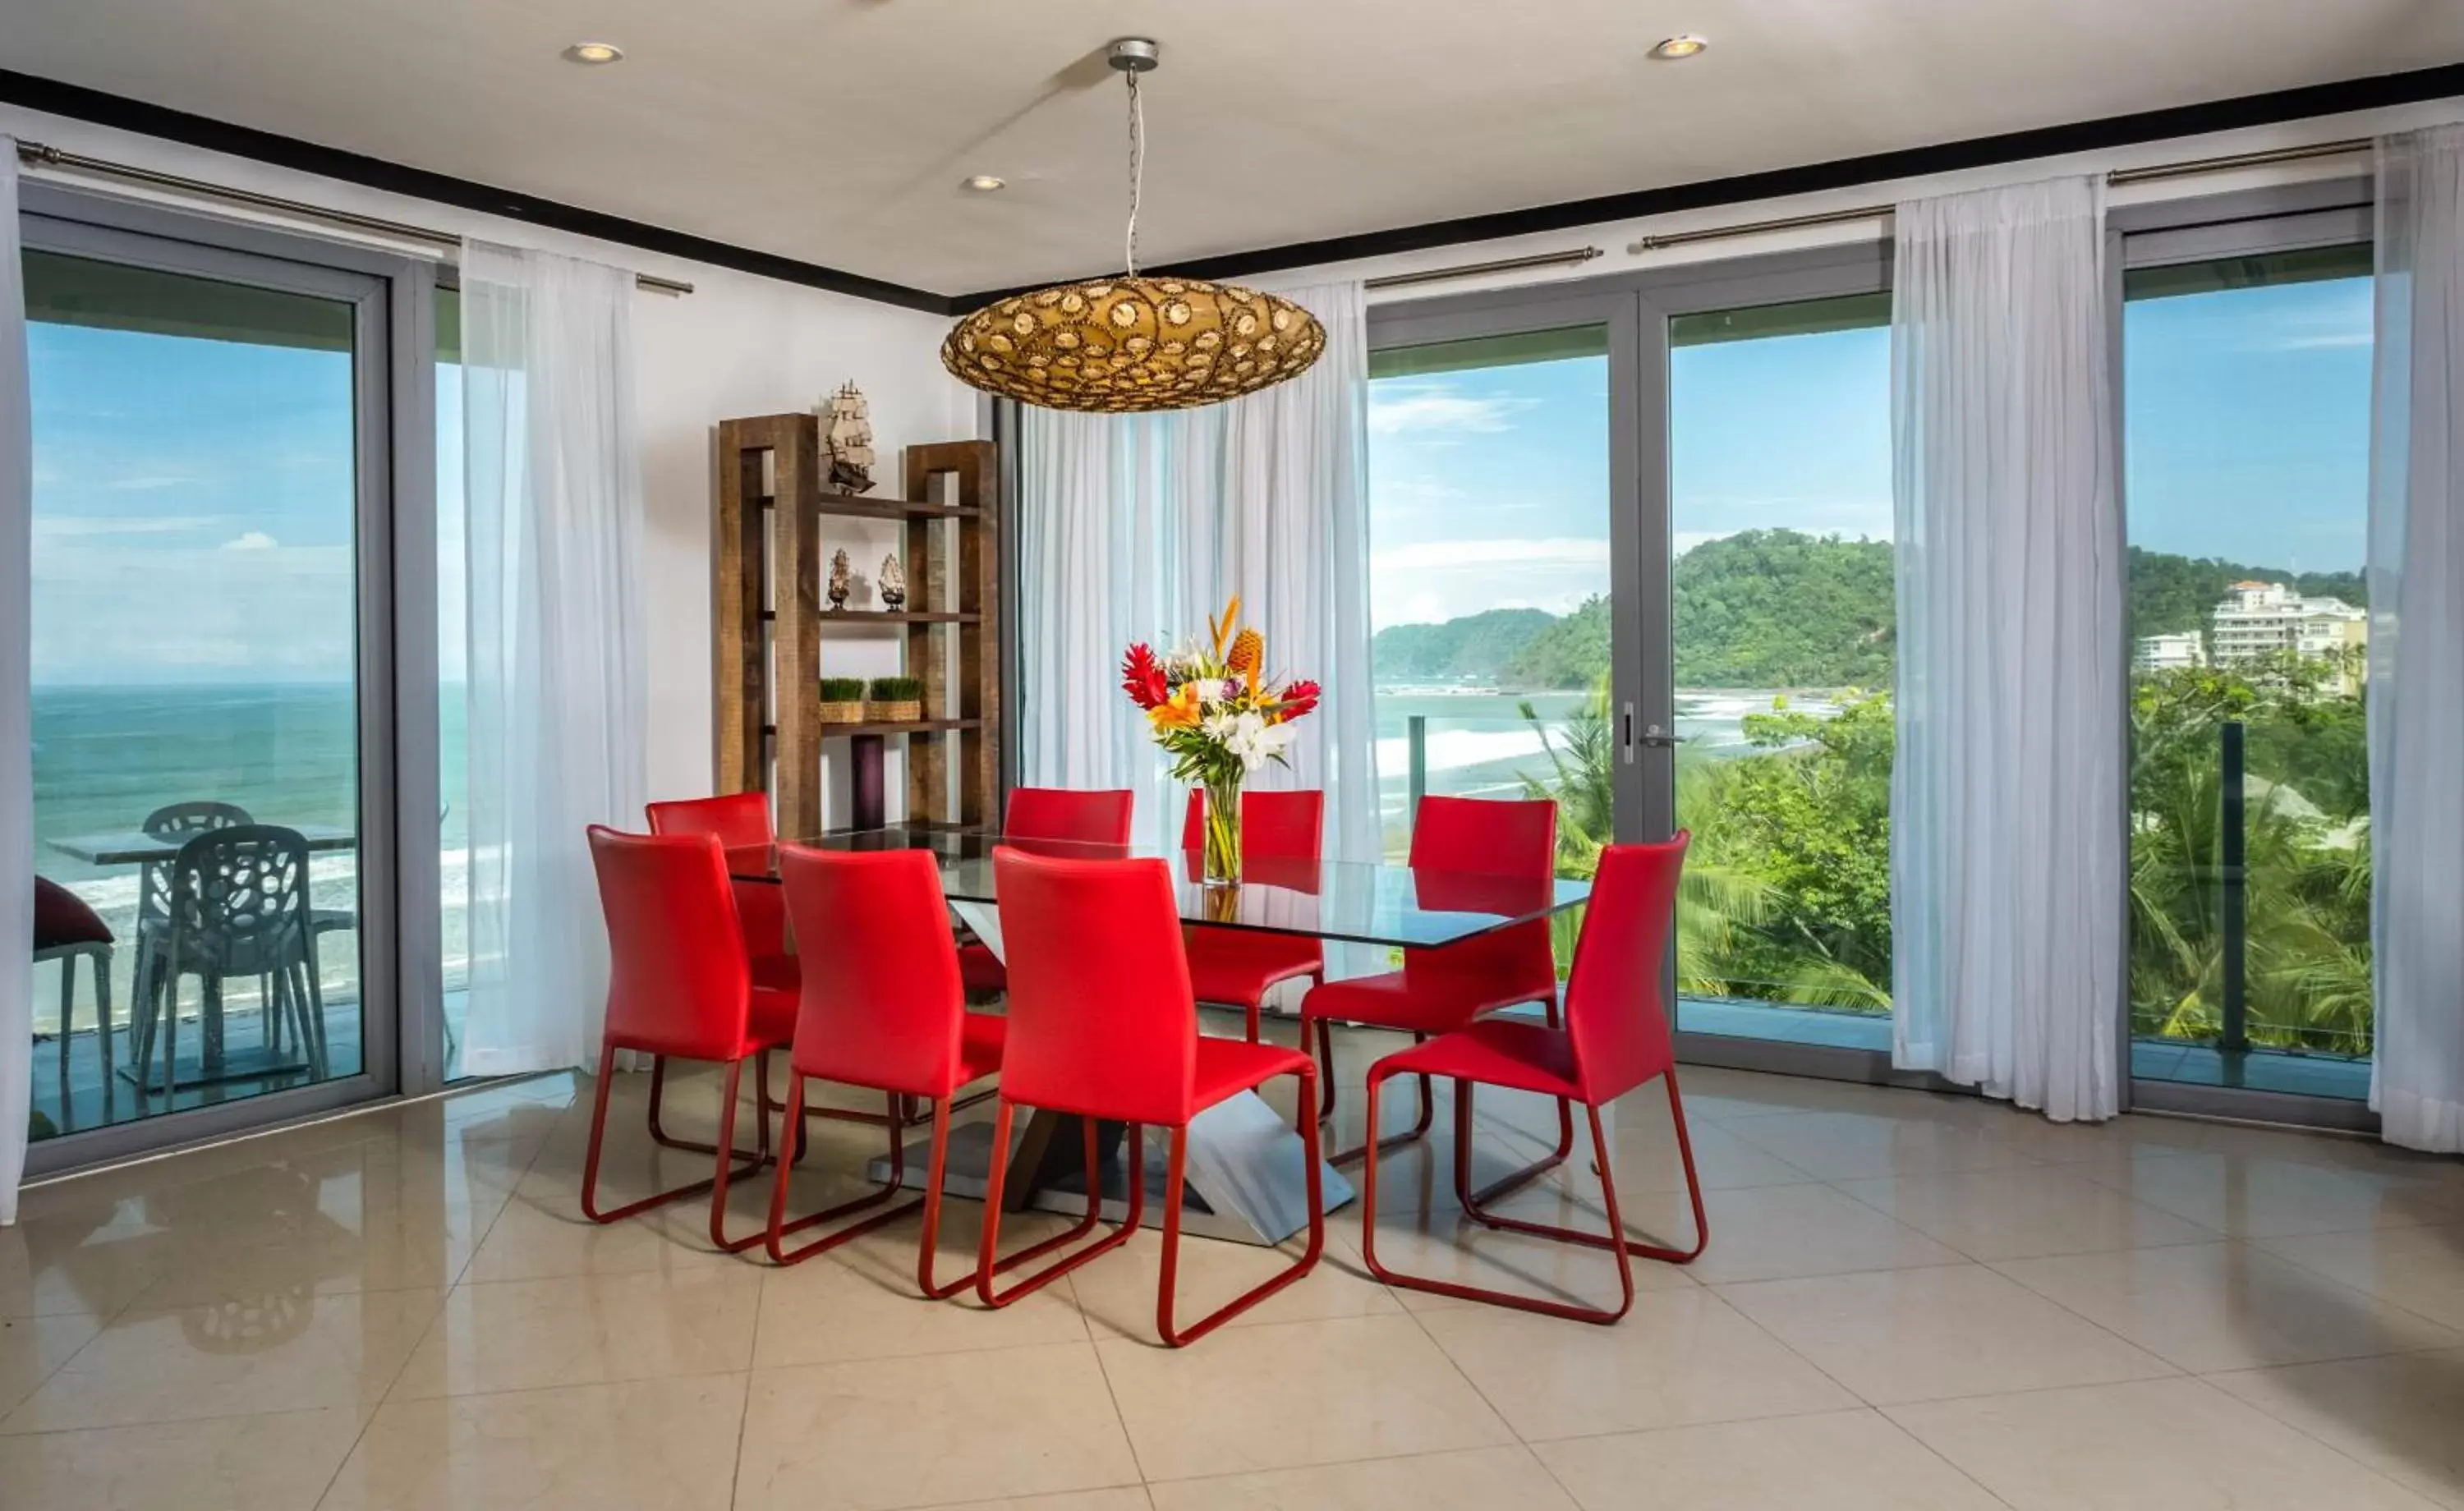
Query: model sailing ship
[(847, 433)]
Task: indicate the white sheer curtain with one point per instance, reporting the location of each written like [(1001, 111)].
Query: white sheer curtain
[(2007, 870), (17, 739), (1136, 528), (2416, 656), (558, 692)]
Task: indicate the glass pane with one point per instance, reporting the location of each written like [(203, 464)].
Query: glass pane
[(195, 703), (2247, 420), (452, 654), (1489, 498), (1782, 614)]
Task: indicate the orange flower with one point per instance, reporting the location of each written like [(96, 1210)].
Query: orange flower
[(1249, 655), (1222, 629), (1179, 712)]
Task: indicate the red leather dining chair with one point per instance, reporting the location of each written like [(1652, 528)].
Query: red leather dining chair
[(1102, 1025), (1236, 967), (1615, 1039), (738, 821), (1441, 989), (890, 1015), (1049, 813), (679, 985)]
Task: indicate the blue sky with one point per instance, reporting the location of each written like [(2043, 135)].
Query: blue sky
[(2247, 425), (193, 514), (193, 498)]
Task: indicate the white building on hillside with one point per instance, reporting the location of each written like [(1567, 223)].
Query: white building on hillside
[(2171, 652), (2263, 619)]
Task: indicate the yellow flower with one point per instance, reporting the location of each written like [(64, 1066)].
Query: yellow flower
[(1179, 712), (1222, 629), (1249, 655)]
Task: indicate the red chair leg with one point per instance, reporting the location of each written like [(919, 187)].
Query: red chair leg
[(660, 1136), (725, 1175), (988, 1260), (1476, 1293), (780, 1227), (1420, 1125), (599, 1133), (1179, 1338), (1616, 1236), (1472, 1200)]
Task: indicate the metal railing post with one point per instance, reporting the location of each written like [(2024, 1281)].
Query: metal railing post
[(1416, 740), (2235, 899)]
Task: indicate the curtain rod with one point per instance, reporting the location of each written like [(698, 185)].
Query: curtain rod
[(1469, 270), (2120, 176), (43, 156)]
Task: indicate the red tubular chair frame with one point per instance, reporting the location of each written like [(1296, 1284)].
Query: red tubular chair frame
[(899, 1028), (1657, 895), (719, 906), (1137, 913), (1294, 832), (1449, 843), (990, 1262)]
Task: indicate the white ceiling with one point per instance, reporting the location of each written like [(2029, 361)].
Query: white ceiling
[(837, 131)]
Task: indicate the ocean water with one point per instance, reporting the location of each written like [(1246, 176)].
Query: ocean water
[(105, 757), (1480, 744)]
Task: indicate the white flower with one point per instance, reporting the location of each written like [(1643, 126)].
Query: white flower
[(1249, 738)]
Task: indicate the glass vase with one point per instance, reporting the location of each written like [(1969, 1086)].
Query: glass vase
[(1224, 833)]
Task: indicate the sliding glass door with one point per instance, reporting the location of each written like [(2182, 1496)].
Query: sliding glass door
[(2245, 403), (1635, 551), (213, 677), (1499, 451)]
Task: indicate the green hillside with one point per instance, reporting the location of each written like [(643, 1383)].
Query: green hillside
[(1777, 608)]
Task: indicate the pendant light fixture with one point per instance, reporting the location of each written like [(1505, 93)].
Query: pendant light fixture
[(1133, 343)]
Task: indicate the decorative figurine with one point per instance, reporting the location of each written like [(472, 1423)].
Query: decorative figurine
[(892, 583), (846, 434), (840, 578)]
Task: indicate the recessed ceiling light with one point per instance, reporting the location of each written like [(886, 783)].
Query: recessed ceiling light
[(1676, 47), (985, 183), (594, 53)]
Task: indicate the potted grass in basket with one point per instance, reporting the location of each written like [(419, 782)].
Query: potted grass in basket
[(895, 700), (842, 700)]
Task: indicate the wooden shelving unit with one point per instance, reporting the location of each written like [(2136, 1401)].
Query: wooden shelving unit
[(769, 562)]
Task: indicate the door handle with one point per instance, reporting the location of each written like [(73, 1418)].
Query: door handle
[(1658, 738)]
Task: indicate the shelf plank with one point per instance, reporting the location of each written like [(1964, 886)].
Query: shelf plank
[(868, 616), (900, 727)]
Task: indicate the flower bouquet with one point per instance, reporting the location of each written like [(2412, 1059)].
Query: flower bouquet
[(1217, 714)]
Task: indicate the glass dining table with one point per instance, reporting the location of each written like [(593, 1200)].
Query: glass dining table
[(1244, 1173)]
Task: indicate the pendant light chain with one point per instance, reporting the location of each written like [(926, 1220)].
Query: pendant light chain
[(1137, 171), (1127, 343)]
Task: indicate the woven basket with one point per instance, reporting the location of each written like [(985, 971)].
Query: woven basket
[(910, 711), (850, 713)]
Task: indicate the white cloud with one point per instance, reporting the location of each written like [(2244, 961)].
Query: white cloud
[(72, 527), (253, 541), (1395, 408), (1442, 555), (2329, 341), (1433, 580), (149, 482)]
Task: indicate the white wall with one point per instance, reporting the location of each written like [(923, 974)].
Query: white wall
[(738, 345)]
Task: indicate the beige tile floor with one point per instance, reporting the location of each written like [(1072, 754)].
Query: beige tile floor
[(1909, 1302)]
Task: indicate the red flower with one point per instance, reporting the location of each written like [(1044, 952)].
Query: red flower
[(1296, 701), (1142, 679)]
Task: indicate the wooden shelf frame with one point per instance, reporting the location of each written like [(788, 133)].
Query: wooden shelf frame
[(770, 517)]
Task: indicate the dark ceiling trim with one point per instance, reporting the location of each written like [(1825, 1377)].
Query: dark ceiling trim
[(53, 98), (2046, 142)]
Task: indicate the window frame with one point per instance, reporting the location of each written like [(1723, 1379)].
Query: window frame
[(2335, 210), (394, 377)]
